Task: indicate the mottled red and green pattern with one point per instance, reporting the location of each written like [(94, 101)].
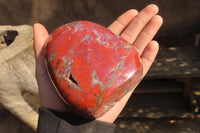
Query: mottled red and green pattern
[(91, 67)]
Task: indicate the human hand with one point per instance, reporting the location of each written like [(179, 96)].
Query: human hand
[(137, 28)]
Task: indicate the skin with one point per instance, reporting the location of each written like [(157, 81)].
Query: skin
[(138, 28)]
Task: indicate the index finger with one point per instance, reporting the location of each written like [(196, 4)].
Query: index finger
[(135, 27), (122, 21)]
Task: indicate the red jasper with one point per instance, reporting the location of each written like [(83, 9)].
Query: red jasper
[(90, 67)]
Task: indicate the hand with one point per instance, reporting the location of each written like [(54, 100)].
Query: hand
[(137, 28)]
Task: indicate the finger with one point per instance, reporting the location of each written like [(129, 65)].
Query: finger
[(149, 55), (40, 35), (147, 34), (134, 28), (122, 21)]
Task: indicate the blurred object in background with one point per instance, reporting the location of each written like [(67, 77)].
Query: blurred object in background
[(180, 16)]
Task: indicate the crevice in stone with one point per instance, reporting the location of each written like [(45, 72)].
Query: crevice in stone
[(72, 79)]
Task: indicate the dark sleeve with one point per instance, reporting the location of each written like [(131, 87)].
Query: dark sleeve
[(51, 121)]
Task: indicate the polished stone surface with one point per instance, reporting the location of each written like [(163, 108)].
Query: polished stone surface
[(91, 67)]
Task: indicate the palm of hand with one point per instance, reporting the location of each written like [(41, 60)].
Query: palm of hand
[(137, 28)]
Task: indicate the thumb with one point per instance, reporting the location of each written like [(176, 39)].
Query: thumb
[(40, 35)]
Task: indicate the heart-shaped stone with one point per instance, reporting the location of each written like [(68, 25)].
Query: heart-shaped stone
[(90, 67)]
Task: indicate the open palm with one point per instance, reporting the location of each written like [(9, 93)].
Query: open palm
[(137, 28)]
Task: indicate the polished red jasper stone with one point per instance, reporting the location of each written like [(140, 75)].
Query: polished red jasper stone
[(90, 67)]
